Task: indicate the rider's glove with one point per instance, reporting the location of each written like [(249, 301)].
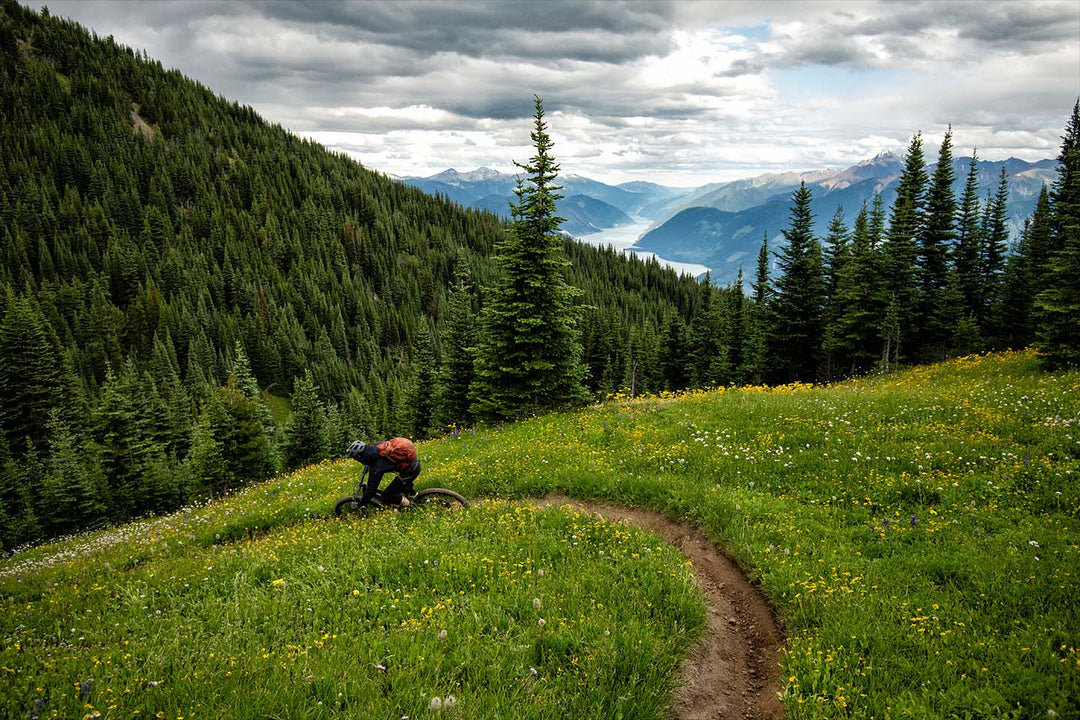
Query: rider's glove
[(354, 450)]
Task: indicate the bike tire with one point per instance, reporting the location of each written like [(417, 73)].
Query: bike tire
[(351, 505), (440, 497)]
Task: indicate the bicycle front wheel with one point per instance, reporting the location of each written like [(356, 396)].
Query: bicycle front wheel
[(440, 498), (351, 505)]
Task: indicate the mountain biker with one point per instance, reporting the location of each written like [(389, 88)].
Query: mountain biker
[(395, 455)]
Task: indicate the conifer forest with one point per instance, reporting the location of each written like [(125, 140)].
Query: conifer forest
[(194, 299)]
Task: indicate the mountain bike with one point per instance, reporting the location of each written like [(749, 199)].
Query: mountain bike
[(427, 498)]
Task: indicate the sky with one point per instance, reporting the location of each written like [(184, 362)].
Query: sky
[(678, 93)]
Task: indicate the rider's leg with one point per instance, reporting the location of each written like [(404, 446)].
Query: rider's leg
[(396, 491)]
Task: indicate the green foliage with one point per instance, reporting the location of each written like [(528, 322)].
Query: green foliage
[(800, 295), (901, 252), (529, 352), (306, 439), (935, 317), (1059, 303), (456, 373)]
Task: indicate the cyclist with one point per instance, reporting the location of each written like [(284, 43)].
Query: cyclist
[(395, 455)]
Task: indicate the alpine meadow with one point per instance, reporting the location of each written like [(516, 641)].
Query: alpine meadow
[(876, 431)]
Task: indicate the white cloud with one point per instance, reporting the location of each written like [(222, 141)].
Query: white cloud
[(682, 92)]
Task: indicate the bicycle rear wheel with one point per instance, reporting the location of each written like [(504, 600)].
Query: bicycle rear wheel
[(440, 498)]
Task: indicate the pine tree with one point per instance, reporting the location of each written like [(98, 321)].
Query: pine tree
[(422, 390), (459, 340), (965, 268), (800, 295), (995, 246), (673, 360), (306, 440), (908, 218), (755, 352), (529, 354), (30, 378), (1059, 304), (837, 256), (72, 492), (126, 446), (856, 306), (934, 317)]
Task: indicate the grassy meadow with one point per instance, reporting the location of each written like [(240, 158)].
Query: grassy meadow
[(916, 534)]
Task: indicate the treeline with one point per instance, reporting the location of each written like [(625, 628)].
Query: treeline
[(936, 279)]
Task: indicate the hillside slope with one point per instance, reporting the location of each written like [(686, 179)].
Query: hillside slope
[(916, 533)]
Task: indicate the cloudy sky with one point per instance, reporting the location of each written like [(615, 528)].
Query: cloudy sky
[(681, 93)]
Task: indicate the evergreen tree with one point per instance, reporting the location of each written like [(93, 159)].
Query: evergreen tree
[(908, 218), (529, 354), (243, 379), (968, 249), (856, 306), (673, 360), (422, 390), (73, 491), (755, 352), (837, 255), (30, 379), (459, 340), (306, 439), (995, 246), (934, 317), (1059, 304), (800, 295), (123, 435)]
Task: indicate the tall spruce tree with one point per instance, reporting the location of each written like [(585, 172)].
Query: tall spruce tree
[(1059, 304), (968, 247), (934, 317), (800, 294), (856, 306), (756, 345), (837, 256), (458, 366), (995, 247), (529, 354), (306, 440), (905, 226)]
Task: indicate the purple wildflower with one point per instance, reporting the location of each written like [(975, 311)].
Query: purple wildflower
[(84, 689)]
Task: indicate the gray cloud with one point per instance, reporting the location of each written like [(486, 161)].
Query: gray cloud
[(633, 89)]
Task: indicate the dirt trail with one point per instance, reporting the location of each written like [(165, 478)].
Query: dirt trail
[(733, 672)]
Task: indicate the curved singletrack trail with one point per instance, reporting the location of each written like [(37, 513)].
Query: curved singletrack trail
[(733, 671)]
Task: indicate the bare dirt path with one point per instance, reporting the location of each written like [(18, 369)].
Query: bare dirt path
[(733, 672)]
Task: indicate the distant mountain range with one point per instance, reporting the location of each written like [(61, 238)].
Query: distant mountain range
[(721, 225), (589, 206)]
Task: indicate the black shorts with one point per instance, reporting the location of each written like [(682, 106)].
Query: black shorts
[(398, 488)]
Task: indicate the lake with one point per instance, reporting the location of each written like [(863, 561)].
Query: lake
[(625, 236)]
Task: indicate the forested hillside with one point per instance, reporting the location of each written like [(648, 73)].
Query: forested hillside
[(174, 265)]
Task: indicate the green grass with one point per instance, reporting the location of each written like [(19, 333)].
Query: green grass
[(512, 611), (916, 533)]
